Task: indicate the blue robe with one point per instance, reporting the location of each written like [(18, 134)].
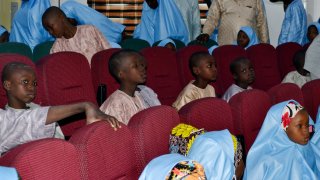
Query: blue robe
[(8, 173), (85, 15), (214, 150), (161, 23), (27, 23), (274, 156), (251, 34), (294, 25)]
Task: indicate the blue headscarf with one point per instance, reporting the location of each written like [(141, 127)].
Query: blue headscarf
[(163, 22), (317, 25), (160, 167), (85, 15), (251, 34), (274, 156), (166, 41), (27, 23), (8, 173), (215, 151), (2, 30), (212, 48)]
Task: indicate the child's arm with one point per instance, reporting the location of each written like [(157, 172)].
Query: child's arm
[(93, 114)]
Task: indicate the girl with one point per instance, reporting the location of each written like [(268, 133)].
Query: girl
[(313, 31), (168, 43), (283, 149), (247, 37)]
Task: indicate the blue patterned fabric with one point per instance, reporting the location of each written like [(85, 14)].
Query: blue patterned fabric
[(274, 156), (85, 15)]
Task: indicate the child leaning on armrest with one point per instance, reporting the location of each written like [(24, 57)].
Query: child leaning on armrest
[(22, 121)]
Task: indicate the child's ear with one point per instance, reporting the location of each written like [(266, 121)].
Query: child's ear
[(120, 74), (196, 70), (7, 85), (235, 76)]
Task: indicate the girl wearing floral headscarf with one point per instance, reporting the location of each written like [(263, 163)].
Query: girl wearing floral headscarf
[(283, 148)]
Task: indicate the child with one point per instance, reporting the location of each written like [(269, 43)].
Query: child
[(23, 121), (247, 37), (243, 75), (283, 149), (128, 68), (4, 35), (203, 68), (173, 167), (300, 76), (168, 43), (313, 31), (84, 39)]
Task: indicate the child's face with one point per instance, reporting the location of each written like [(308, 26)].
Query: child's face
[(312, 32), (244, 73), (21, 87), (133, 70), (242, 39), (55, 26), (170, 46), (153, 4), (206, 69), (4, 37), (298, 129)]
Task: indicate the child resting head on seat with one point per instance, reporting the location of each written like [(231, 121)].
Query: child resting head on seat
[(203, 68), (128, 68), (243, 75)]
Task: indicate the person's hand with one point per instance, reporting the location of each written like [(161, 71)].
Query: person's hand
[(203, 38), (94, 114)]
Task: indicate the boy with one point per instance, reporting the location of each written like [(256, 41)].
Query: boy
[(243, 75), (300, 76), (129, 69), (203, 68), (84, 39), (22, 121)]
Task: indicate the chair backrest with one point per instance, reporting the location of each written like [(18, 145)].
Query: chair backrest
[(44, 159), (285, 54), (150, 129), (212, 114), (135, 44), (311, 97), (162, 73), (264, 59), (100, 71), (249, 109), (179, 44), (105, 153), (42, 50), (224, 55), (17, 48), (67, 80), (183, 56), (207, 44), (6, 58), (285, 91)]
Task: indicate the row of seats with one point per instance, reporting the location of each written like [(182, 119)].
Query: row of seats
[(66, 77), (96, 151)]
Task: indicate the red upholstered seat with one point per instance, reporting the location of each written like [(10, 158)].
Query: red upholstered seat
[(183, 56), (105, 153), (150, 129), (48, 159), (264, 59), (67, 80), (311, 97), (6, 58), (224, 55), (162, 73), (249, 109), (100, 71), (285, 54), (285, 91), (212, 114)]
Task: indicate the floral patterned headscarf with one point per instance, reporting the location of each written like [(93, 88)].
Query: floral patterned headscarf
[(289, 112)]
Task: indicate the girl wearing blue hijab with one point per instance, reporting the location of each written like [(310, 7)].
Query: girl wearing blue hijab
[(173, 167), (160, 22), (313, 31), (168, 43), (283, 149), (27, 24), (85, 15), (247, 37), (4, 35)]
